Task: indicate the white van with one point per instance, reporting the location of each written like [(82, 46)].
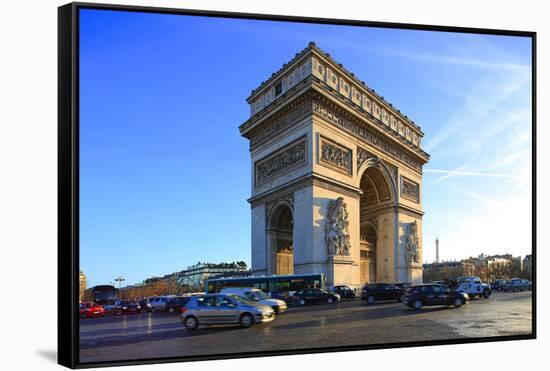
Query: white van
[(257, 295)]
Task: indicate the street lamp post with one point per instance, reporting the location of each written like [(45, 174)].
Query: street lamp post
[(119, 280)]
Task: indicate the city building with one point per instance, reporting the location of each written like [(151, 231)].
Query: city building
[(447, 270), (337, 177), (82, 285), (191, 279), (528, 266), (195, 276)]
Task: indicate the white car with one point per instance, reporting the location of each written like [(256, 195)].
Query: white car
[(257, 295), (472, 286), (158, 303)]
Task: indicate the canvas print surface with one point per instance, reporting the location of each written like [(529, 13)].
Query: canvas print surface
[(253, 185)]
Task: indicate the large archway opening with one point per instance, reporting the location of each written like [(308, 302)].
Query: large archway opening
[(376, 195), (281, 249)]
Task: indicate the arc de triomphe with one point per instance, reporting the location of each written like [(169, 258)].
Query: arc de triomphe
[(337, 177)]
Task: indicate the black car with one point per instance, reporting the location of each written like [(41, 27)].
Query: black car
[(433, 294), (373, 292), (307, 296), (497, 285), (403, 285), (345, 292), (126, 306), (174, 305)]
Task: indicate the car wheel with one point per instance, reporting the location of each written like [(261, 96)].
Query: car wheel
[(302, 301), (458, 302), (401, 298), (486, 294), (275, 309), (330, 300), (246, 320), (153, 310), (191, 323), (370, 299), (417, 305)]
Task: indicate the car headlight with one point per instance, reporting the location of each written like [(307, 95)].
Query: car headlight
[(124, 307)]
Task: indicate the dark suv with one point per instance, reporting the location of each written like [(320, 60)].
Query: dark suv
[(174, 305), (373, 292), (426, 295), (126, 306), (345, 292)]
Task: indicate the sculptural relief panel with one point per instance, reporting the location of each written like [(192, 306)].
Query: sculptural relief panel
[(289, 157), (410, 189), (335, 156)]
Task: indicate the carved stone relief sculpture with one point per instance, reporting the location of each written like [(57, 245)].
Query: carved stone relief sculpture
[(412, 243), (336, 228)]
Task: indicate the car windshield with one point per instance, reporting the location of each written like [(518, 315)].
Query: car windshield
[(260, 295), (240, 298)]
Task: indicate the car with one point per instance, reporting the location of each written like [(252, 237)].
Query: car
[(308, 296), (446, 283), (433, 294), (158, 303), (174, 305), (373, 292), (126, 307), (148, 303), (472, 286), (109, 308), (222, 309), (497, 285), (403, 285), (344, 291), (90, 309), (257, 295), (517, 284)]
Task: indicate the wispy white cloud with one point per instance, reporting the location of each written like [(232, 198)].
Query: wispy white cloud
[(483, 99), (459, 172), (459, 61), (477, 196)]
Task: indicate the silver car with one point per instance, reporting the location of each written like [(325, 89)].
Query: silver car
[(217, 309)]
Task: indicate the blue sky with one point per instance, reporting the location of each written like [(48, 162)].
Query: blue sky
[(165, 174)]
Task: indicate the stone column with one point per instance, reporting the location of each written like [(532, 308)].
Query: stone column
[(410, 249)]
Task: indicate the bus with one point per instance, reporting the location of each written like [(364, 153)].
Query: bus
[(280, 287), (104, 294)]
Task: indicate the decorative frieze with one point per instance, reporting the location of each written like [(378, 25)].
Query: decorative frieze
[(369, 136), (335, 156), (312, 103), (362, 156), (279, 124), (289, 157), (410, 189)]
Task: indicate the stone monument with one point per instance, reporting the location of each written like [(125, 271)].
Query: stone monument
[(337, 177)]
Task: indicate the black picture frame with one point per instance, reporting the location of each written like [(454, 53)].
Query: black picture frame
[(68, 179)]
